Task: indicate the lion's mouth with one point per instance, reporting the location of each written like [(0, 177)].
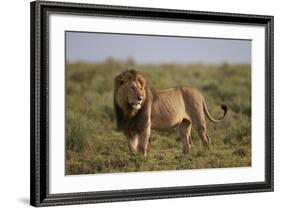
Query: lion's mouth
[(135, 106)]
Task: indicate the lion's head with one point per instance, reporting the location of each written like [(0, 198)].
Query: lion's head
[(131, 95), (130, 92)]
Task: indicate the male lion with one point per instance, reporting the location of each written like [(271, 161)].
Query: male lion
[(139, 108)]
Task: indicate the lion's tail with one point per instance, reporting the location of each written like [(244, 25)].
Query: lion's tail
[(223, 107)]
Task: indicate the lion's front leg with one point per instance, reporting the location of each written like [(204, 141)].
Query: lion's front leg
[(144, 139), (133, 143)]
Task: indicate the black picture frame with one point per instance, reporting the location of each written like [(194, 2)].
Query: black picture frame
[(39, 86)]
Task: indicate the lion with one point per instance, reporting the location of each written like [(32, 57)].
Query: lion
[(138, 108)]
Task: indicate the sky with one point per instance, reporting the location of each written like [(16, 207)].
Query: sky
[(145, 49)]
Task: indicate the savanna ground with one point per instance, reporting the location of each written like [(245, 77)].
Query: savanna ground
[(94, 146)]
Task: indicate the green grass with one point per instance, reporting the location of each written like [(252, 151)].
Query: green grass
[(93, 145)]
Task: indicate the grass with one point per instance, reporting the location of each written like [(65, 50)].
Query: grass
[(93, 145)]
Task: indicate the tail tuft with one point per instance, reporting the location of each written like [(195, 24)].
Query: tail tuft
[(224, 107)]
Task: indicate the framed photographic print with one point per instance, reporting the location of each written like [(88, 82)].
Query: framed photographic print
[(131, 103)]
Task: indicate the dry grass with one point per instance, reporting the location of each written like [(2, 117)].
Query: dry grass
[(93, 145)]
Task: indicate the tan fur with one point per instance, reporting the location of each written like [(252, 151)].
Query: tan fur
[(181, 106)]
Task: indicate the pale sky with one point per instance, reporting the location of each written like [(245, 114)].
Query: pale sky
[(144, 49)]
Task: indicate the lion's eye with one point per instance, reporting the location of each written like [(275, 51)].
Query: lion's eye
[(121, 82)]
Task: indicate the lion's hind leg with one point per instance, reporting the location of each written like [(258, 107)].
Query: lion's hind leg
[(202, 133), (185, 134)]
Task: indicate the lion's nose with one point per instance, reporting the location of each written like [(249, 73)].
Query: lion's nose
[(140, 98)]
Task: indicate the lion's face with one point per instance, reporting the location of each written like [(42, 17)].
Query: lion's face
[(135, 94), (130, 90)]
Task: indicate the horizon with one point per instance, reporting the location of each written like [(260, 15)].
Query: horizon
[(150, 49), (152, 64)]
